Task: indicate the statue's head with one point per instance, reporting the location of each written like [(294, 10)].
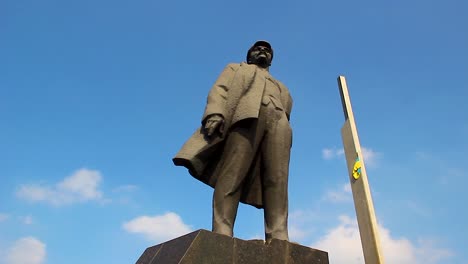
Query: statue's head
[(260, 54)]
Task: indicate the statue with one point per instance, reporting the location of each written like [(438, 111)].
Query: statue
[(242, 148)]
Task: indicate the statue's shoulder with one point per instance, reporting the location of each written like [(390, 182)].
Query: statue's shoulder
[(234, 66), (230, 69), (284, 89), (280, 83), (282, 86)]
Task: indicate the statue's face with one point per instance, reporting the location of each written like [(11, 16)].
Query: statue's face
[(260, 56)]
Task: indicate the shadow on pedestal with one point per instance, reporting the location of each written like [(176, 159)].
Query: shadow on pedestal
[(205, 247)]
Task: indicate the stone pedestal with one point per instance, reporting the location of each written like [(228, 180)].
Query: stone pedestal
[(205, 247)]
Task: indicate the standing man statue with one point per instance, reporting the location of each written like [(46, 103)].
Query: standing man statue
[(243, 147)]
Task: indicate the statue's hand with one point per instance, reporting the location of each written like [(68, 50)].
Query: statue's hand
[(213, 123)]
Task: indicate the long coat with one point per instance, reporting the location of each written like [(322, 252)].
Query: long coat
[(236, 95)]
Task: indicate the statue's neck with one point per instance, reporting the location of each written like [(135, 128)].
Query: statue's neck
[(267, 69)]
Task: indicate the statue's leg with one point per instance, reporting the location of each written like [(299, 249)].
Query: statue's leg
[(276, 148), (236, 160)]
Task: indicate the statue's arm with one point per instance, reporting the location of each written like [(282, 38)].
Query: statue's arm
[(286, 99), (217, 97), (289, 106)]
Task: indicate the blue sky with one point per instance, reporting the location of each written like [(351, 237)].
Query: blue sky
[(97, 96)]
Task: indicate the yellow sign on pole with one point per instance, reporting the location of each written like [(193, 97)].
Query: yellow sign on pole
[(363, 204)]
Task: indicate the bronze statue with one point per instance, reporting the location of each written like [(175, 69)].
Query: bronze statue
[(243, 147)]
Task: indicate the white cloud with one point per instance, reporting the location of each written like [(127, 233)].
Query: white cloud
[(301, 224), (81, 186), (341, 195), (296, 233), (27, 220), (256, 237), (418, 208), (3, 217), (451, 176), (343, 244), (158, 228), (422, 155), (371, 157), (27, 250), (125, 188), (431, 252), (332, 153)]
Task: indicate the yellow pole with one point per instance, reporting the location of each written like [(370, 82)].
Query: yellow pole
[(363, 204)]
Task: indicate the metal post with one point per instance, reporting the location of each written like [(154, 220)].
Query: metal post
[(363, 204)]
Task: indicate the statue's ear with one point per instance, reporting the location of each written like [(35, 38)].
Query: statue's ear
[(249, 61)]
